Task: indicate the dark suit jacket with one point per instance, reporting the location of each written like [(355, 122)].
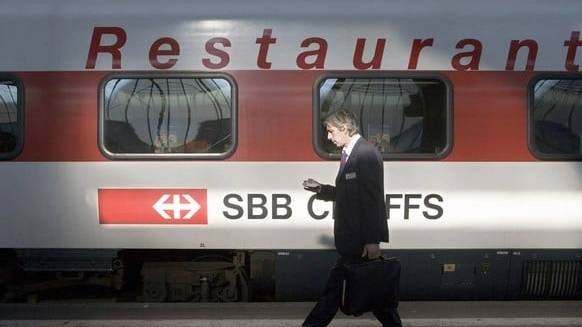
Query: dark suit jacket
[(359, 208)]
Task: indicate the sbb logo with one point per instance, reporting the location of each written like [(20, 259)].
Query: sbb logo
[(152, 206)]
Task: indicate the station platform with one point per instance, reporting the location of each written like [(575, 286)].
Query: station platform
[(421, 314)]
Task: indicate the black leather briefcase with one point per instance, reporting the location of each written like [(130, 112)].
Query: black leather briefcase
[(370, 285)]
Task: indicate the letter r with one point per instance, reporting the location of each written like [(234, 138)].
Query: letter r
[(114, 49)]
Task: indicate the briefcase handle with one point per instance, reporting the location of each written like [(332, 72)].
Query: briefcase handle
[(382, 258)]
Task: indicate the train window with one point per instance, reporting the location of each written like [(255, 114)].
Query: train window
[(11, 119), (405, 117), (555, 118), (171, 117)]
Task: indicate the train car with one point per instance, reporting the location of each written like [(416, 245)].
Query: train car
[(162, 145)]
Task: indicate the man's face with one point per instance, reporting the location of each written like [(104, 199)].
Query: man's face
[(337, 136)]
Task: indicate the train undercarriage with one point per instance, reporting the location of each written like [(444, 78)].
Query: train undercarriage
[(31, 275)]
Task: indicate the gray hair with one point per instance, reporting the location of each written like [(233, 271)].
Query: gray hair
[(342, 119)]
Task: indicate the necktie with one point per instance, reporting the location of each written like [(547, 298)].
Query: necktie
[(343, 160)]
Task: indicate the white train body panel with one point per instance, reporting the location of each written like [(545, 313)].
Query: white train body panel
[(485, 205), (494, 201), (56, 36)]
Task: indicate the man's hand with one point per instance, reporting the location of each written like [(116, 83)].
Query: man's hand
[(372, 251), (312, 185)]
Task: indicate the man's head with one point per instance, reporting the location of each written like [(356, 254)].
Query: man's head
[(341, 126)]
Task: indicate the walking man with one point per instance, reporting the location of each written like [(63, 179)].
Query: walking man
[(359, 213)]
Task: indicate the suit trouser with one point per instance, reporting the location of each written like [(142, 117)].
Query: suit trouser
[(329, 303)]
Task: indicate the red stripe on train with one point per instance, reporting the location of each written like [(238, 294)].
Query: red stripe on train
[(275, 116)]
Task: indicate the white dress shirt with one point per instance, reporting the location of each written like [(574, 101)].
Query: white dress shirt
[(348, 148)]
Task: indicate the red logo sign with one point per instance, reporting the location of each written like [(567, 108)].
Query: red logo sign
[(152, 206)]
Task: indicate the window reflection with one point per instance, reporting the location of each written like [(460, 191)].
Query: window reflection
[(398, 115), (168, 116), (10, 129), (557, 117)]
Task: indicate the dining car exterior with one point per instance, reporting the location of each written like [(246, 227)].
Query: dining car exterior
[(168, 142)]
